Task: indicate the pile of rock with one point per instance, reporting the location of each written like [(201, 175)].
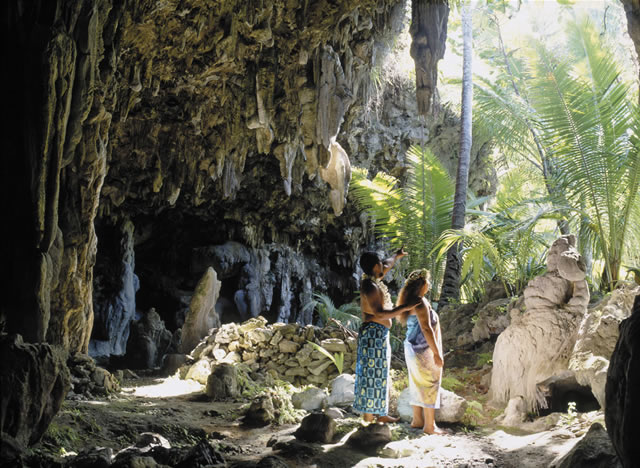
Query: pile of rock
[(284, 351), (87, 379)]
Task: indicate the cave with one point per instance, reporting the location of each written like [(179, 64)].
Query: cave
[(556, 393)]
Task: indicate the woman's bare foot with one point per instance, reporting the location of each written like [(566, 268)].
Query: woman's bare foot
[(418, 417), (387, 419), (435, 430)]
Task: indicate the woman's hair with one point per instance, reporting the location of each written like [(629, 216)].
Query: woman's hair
[(411, 289)]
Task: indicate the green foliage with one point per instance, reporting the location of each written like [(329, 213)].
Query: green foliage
[(61, 435), (484, 358), (569, 114), (473, 413), (347, 314), (413, 215), (337, 358), (451, 383)]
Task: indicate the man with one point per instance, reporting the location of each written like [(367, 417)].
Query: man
[(374, 351)]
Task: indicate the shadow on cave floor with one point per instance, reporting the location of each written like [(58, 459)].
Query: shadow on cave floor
[(179, 411)]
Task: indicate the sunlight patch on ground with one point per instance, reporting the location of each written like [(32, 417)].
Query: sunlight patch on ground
[(553, 442), (169, 387)]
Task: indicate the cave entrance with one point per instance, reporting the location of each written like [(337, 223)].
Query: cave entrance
[(559, 391), (226, 307)]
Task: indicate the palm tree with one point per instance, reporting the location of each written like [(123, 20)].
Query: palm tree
[(451, 283), (587, 123)]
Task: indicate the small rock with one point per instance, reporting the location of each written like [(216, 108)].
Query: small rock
[(342, 390), (316, 427), (287, 346), (398, 449), (368, 439), (335, 413), (222, 383)]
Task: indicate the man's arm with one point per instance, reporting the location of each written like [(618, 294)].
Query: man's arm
[(391, 261), (372, 304)]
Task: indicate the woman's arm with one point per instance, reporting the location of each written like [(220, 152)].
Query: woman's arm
[(423, 312)]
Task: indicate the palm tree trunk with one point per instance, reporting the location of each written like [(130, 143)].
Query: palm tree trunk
[(451, 282)]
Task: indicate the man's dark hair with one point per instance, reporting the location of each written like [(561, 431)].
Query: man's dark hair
[(368, 260)]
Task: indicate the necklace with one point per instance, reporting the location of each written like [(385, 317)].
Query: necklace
[(386, 297)]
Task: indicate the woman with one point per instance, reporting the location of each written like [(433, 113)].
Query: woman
[(423, 351)]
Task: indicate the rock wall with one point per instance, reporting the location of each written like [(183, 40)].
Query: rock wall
[(281, 350), (623, 384), (177, 104)]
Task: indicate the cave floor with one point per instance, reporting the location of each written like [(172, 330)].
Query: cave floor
[(179, 411)]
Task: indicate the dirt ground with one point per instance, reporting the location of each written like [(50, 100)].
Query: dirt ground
[(179, 411)]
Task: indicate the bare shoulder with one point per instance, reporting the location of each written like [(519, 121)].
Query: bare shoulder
[(368, 287)]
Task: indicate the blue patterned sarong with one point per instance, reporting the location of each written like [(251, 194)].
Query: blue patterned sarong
[(372, 370)]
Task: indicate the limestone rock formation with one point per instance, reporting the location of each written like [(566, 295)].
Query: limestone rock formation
[(149, 341), (202, 314), (623, 383), (597, 337), (115, 287), (429, 31), (222, 383), (31, 397), (538, 342)]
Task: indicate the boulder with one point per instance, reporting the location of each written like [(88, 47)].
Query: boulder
[(452, 407), (369, 439), (222, 383), (201, 316), (311, 399), (594, 450), (261, 412), (38, 379), (316, 427), (622, 410), (202, 454), (342, 391)]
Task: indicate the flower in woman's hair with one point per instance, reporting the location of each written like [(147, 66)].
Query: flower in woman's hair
[(417, 274)]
